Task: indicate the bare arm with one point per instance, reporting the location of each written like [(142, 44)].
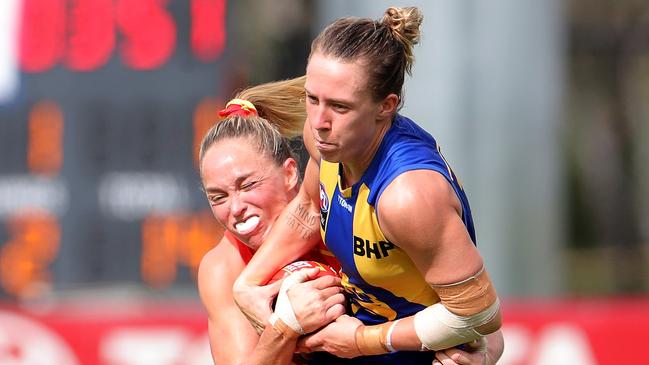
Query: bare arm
[(296, 231), (231, 336), (439, 246), (232, 339)]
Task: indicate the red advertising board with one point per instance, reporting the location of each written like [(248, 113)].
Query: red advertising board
[(587, 332)]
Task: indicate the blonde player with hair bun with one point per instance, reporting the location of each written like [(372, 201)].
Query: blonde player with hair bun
[(387, 204)]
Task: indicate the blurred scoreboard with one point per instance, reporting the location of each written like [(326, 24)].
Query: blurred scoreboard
[(98, 179)]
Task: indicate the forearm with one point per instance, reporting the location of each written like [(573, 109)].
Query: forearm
[(495, 347), (468, 310), (274, 347), (402, 336), (294, 233)]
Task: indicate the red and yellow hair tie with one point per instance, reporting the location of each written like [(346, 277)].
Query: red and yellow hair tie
[(239, 107)]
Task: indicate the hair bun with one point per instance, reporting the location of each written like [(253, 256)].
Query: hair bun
[(404, 23)]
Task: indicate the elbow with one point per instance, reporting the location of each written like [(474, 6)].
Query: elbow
[(438, 328), (492, 325)]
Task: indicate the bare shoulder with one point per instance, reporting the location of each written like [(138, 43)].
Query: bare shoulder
[(420, 212), (217, 272), (417, 193)]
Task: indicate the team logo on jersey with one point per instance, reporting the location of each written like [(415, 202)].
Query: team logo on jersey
[(343, 203), (364, 247), (324, 206)]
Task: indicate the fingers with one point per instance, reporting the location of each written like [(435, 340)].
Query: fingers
[(273, 288), (306, 344), (478, 345), (333, 298), (455, 356), (331, 292), (335, 311), (311, 273), (324, 281), (443, 359)]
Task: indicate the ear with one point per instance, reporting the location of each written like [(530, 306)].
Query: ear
[(388, 107), (292, 175)]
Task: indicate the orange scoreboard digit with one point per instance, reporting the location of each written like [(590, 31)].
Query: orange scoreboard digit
[(98, 178)]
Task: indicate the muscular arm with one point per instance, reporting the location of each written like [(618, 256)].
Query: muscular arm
[(232, 339), (420, 213), (437, 242)]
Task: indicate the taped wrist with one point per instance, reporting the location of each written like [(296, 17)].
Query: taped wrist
[(372, 340), (284, 330), (283, 308), (467, 310)]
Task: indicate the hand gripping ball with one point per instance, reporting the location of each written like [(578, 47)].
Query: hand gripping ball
[(301, 265)]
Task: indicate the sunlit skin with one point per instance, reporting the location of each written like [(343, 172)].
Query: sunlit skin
[(244, 185), (245, 189), (347, 125)]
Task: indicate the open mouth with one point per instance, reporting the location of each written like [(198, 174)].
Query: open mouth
[(248, 225)]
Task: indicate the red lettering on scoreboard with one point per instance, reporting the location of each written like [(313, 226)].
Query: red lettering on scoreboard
[(42, 34), (91, 37), (84, 34), (149, 33), (208, 32)]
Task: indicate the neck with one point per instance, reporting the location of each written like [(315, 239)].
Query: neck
[(354, 170)]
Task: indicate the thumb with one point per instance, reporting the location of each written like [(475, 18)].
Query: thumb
[(296, 277), (273, 288), (311, 273), (478, 345)]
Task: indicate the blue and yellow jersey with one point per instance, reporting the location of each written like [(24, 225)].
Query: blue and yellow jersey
[(380, 278), (381, 281)]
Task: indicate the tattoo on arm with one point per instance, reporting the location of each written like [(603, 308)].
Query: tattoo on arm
[(303, 221)]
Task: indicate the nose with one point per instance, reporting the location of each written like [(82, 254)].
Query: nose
[(237, 206), (319, 117)]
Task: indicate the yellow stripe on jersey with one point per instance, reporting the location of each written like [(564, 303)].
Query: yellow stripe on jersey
[(384, 264)]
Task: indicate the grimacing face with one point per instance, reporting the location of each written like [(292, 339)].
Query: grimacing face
[(246, 190)]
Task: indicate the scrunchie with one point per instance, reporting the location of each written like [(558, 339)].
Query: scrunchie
[(239, 107)]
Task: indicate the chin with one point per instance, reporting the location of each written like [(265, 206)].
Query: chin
[(330, 156), (254, 245), (257, 240)]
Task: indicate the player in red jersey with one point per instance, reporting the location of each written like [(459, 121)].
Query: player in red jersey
[(249, 175)]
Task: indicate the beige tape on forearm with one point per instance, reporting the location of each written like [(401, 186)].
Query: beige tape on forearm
[(284, 330), (468, 310), (469, 296), (371, 340), (438, 329)]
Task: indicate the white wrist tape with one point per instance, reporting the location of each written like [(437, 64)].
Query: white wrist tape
[(283, 308), (437, 328), (388, 337)]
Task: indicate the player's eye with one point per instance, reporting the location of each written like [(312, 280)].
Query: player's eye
[(249, 185)]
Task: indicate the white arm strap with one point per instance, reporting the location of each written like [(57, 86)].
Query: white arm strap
[(283, 308), (437, 328)]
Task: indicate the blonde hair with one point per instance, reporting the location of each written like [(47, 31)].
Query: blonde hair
[(281, 116), (281, 103), (386, 45)]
